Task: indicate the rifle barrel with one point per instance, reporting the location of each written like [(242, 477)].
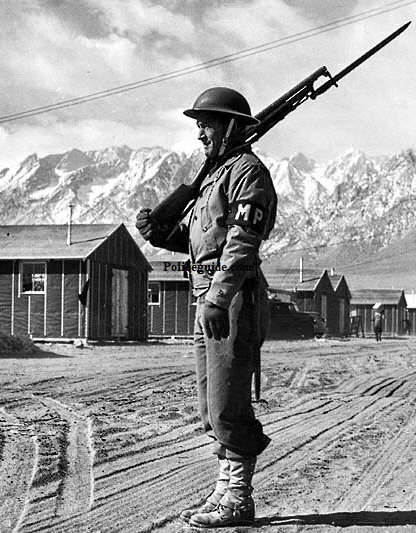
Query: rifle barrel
[(277, 110), (307, 82)]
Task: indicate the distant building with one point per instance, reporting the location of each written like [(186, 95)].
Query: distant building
[(317, 295), (64, 282), (172, 307), (392, 300), (343, 299), (410, 319), (314, 292)]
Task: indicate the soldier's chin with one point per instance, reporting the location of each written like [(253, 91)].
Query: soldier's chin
[(209, 150)]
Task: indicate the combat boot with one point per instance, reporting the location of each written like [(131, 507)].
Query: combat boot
[(214, 498), (236, 507)]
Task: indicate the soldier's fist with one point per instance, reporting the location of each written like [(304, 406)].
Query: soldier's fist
[(144, 223), (215, 321)]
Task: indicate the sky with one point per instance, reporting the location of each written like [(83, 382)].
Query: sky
[(55, 50)]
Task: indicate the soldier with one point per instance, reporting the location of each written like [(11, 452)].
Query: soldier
[(234, 212)]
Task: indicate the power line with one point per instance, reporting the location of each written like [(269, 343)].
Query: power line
[(300, 36), (380, 258), (326, 245)]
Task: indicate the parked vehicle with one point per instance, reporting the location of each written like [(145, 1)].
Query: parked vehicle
[(319, 324), (288, 322)]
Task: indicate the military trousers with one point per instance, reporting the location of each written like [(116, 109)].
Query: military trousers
[(224, 371)]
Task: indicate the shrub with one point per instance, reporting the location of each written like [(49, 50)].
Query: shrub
[(16, 344)]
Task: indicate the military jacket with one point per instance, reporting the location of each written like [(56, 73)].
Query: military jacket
[(234, 212)]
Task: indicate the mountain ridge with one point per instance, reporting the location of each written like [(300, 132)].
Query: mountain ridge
[(328, 211)]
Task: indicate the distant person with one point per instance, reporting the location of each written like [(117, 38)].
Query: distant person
[(378, 324), (407, 326)]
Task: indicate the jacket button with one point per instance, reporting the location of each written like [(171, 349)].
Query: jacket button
[(204, 228), (220, 292)]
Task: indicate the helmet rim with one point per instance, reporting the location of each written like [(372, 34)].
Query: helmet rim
[(196, 112), (222, 100)]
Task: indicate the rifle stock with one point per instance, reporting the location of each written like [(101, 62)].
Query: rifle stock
[(171, 210)]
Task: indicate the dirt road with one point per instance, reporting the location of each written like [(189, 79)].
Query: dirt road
[(107, 438)]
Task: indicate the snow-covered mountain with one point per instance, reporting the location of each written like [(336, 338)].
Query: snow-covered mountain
[(354, 201), (351, 199)]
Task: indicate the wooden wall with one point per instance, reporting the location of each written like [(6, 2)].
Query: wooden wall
[(118, 251), (393, 323), (58, 313), (313, 301), (6, 297), (175, 314)]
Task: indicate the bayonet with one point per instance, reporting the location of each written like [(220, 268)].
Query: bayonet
[(334, 79)]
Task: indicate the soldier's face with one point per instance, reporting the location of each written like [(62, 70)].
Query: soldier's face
[(211, 130)]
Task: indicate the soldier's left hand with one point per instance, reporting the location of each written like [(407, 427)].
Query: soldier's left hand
[(144, 223), (215, 321)]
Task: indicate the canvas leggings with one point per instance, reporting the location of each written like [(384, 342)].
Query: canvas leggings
[(224, 371)]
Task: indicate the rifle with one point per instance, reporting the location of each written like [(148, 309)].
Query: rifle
[(177, 204)]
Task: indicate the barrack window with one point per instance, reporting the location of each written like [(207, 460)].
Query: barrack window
[(33, 277), (154, 293)]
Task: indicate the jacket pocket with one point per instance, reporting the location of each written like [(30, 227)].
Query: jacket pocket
[(206, 221), (208, 230)]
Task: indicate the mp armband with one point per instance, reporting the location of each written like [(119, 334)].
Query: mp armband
[(249, 215)]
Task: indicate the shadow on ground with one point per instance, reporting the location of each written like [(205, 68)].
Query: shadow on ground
[(361, 518)]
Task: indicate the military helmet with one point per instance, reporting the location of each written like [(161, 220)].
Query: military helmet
[(222, 100)]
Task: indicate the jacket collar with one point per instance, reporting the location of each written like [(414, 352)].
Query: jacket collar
[(226, 163)]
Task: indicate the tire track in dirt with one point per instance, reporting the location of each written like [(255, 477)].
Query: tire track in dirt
[(63, 486), (361, 386), (378, 472), (141, 384), (300, 377), (150, 498), (120, 478), (140, 485), (150, 472), (388, 402), (323, 422), (381, 469), (18, 466), (334, 407), (76, 492), (331, 418), (327, 433), (128, 481), (147, 494), (318, 432), (123, 464)]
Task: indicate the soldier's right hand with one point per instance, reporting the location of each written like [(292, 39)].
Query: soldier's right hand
[(144, 223), (215, 321)]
